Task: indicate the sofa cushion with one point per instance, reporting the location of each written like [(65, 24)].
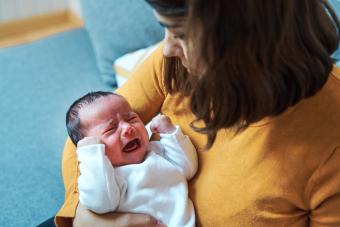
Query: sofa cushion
[(336, 7), (125, 65), (117, 27)]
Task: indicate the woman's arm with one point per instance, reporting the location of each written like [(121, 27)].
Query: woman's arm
[(86, 218), (144, 91)]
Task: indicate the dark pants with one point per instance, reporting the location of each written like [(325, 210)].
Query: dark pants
[(47, 223)]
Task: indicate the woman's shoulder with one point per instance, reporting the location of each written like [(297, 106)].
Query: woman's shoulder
[(330, 93), (316, 120), (326, 102)]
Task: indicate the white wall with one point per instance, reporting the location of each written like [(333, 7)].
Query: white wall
[(74, 5), (17, 9)]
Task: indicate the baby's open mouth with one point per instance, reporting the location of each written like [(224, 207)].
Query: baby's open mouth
[(132, 145)]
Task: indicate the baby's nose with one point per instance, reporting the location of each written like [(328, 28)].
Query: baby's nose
[(127, 130)]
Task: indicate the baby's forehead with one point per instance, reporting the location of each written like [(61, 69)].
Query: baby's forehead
[(115, 101), (105, 111), (113, 98), (114, 106)]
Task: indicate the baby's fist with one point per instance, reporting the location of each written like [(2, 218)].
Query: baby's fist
[(162, 124)]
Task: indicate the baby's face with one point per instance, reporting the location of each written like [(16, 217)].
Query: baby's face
[(121, 130)]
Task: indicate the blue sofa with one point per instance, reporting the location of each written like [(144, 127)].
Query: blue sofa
[(38, 82)]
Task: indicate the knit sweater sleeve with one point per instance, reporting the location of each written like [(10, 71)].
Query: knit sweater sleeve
[(324, 193)]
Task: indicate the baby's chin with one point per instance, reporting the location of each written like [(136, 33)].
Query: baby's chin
[(140, 155)]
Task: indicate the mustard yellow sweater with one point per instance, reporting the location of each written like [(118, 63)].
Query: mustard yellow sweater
[(282, 171)]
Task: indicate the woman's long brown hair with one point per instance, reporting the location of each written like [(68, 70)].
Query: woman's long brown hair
[(262, 57)]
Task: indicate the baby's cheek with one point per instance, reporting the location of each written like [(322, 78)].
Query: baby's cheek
[(111, 139), (112, 155), (111, 144)]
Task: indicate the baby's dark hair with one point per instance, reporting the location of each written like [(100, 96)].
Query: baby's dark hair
[(72, 116)]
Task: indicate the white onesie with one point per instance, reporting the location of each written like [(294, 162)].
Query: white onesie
[(157, 186)]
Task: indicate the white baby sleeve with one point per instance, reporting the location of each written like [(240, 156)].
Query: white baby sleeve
[(97, 185), (179, 150)]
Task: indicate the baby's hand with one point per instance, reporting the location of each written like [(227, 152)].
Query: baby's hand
[(162, 124), (89, 141)]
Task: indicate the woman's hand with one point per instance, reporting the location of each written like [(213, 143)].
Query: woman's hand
[(85, 217)]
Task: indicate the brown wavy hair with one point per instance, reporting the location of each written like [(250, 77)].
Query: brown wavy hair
[(262, 57)]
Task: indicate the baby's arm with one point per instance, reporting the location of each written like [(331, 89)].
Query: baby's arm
[(98, 189), (178, 148)]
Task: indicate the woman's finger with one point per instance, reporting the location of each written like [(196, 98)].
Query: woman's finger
[(142, 220)]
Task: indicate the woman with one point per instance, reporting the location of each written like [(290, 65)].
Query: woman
[(253, 84)]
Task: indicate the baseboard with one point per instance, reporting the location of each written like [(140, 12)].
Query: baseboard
[(37, 27)]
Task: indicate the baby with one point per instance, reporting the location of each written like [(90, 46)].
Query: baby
[(121, 170)]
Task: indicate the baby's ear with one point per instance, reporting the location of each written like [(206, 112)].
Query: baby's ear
[(88, 141)]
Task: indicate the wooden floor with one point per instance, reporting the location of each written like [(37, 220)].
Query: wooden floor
[(37, 27)]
